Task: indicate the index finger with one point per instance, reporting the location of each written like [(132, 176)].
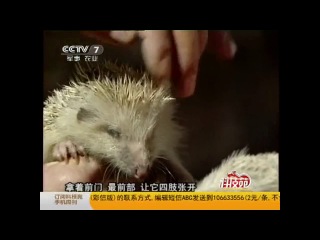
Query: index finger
[(188, 53), (156, 51)]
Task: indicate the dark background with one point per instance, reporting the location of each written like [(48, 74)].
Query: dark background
[(236, 103)]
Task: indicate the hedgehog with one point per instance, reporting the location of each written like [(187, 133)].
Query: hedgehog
[(262, 168), (120, 117)]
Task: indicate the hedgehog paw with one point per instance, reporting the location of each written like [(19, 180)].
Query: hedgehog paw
[(65, 150)]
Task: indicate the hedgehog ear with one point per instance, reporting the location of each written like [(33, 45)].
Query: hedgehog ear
[(85, 115)]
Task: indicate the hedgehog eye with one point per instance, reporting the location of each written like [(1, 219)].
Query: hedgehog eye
[(85, 115), (113, 133)]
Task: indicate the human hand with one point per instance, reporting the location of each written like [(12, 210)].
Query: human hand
[(173, 54), (57, 174)]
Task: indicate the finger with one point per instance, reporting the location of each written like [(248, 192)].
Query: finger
[(188, 54), (101, 36), (156, 51), (203, 40), (222, 44), (112, 37), (124, 37)]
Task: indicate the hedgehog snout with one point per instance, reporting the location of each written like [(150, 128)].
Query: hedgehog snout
[(141, 172), (141, 163)]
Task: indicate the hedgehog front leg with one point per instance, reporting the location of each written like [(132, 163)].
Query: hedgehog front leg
[(67, 149)]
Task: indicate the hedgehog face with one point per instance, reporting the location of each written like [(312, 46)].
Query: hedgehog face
[(119, 115), (130, 139)]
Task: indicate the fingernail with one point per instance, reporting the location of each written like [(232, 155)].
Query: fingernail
[(188, 86), (191, 85), (162, 70), (232, 48), (230, 45)]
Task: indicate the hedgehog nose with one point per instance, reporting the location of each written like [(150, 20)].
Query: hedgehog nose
[(141, 172)]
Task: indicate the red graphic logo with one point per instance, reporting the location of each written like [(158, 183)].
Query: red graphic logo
[(235, 180)]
